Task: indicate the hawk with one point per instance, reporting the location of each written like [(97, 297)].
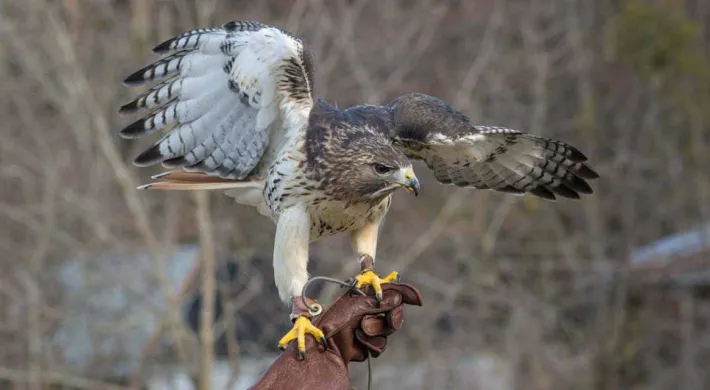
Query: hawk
[(238, 103)]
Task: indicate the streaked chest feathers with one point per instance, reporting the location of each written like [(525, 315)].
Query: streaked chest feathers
[(289, 183)]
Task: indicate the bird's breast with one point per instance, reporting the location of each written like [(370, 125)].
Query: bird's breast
[(332, 217)]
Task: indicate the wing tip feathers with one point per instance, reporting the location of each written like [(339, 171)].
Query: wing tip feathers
[(575, 155), (128, 107), (578, 184), (543, 192), (564, 191), (149, 157), (135, 78), (586, 172), (134, 130), (164, 47)]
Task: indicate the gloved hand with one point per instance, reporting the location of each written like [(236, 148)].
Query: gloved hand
[(353, 325)]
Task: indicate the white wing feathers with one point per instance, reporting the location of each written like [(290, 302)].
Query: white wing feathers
[(227, 94)]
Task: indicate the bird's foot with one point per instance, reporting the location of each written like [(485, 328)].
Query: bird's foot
[(301, 316), (369, 277)]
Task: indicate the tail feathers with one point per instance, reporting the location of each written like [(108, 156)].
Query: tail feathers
[(192, 177), (195, 181), (248, 192), (178, 186)]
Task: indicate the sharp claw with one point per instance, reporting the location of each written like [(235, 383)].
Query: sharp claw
[(368, 277), (302, 326)]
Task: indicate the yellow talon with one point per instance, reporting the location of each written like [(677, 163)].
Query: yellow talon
[(301, 327), (368, 277)]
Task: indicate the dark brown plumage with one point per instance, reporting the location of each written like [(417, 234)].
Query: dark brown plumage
[(341, 149)]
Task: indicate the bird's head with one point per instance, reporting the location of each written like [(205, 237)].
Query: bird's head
[(369, 167), (388, 178)]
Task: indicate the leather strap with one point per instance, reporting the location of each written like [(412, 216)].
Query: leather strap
[(298, 309), (366, 262)]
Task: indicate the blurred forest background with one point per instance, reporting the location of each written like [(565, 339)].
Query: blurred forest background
[(100, 283)]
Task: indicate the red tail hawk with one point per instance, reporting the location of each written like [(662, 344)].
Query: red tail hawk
[(238, 105)]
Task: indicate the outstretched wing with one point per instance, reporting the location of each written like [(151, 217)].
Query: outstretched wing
[(230, 97), (484, 157)]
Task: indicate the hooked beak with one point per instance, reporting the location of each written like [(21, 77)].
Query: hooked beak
[(410, 182)]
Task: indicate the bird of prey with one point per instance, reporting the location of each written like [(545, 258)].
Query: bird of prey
[(240, 109)]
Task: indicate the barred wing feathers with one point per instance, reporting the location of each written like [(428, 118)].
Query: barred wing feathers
[(229, 97), (484, 157)]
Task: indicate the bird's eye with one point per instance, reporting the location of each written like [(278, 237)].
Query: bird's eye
[(381, 169)]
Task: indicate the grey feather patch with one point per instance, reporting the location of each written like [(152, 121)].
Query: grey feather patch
[(233, 151), (245, 155)]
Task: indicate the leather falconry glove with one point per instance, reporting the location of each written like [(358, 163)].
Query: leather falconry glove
[(353, 325)]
